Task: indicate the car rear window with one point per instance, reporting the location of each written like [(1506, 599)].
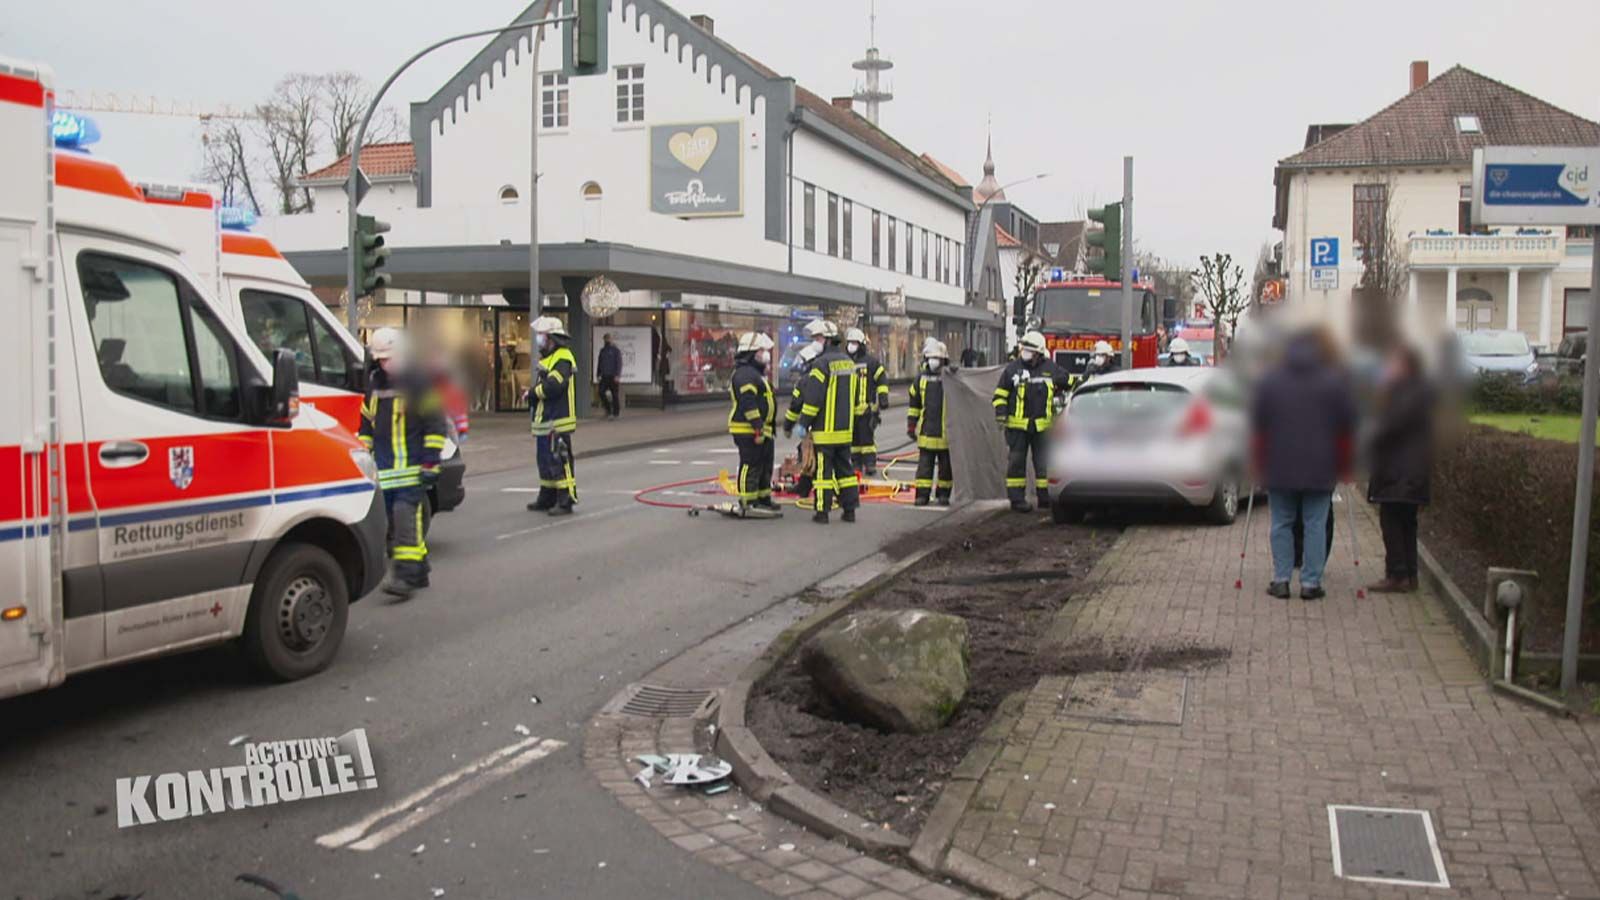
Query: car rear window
[(1128, 399)]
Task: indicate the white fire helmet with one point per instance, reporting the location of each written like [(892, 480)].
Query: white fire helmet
[(1178, 345), (753, 341), (1033, 340), (1102, 348), (855, 334), (935, 350), (387, 343), (819, 328), (549, 325)]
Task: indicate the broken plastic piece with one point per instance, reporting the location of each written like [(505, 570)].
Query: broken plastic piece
[(522, 730), (238, 739)]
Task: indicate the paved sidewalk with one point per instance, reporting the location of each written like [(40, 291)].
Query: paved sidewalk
[(1366, 702), (500, 441)]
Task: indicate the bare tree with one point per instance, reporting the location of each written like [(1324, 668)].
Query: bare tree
[(1026, 281), (345, 97), (227, 163), (1384, 270), (287, 125), (1266, 270), (1220, 282)]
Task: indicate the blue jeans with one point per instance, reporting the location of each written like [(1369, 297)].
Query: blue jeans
[(1312, 507)]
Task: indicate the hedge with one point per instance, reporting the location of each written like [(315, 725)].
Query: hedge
[(1505, 392)]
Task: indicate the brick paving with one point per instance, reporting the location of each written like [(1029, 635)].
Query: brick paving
[(730, 831), (1344, 701)]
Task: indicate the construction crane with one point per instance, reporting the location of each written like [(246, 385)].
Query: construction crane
[(151, 105)]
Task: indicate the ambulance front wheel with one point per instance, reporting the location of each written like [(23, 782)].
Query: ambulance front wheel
[(298, 612)]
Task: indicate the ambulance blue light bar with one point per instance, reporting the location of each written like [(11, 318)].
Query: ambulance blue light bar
[(238, 218), (72, 130)]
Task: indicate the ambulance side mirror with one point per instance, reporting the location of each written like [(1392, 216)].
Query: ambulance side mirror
[(285, 401)]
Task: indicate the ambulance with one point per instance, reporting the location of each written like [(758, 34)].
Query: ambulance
[(268, 299), (161, 486)]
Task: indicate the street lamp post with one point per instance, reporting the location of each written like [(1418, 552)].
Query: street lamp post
[(361, 136), (977, 217)]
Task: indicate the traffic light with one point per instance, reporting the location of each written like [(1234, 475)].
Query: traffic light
[(584, 50), (1108, 239), (1019, 314), (371, 255)]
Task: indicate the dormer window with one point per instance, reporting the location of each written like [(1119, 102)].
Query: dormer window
[(1468, 124)]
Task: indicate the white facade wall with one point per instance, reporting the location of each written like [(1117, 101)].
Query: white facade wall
[(1321, 204), (384, 197)]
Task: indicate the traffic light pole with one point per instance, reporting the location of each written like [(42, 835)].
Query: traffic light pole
[(1127, 263), (366, 119)]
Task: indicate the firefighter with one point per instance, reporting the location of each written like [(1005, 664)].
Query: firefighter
[(1103, 360), (1025, 404), (403, 424), (828, 413), (926, 424), (1178, 354), (553, 416), (872, 398), (817, 330), (751, 420)]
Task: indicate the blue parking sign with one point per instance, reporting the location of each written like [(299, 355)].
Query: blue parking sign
[(1325, 252)]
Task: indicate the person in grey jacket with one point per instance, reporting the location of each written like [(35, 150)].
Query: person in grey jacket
[(1401, 452), (1303, 424)]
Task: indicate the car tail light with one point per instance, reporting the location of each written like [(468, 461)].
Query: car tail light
[(1197, 420)]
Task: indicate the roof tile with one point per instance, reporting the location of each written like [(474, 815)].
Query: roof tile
[(377, 160)]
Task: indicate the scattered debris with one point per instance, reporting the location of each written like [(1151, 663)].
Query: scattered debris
[(238, 739), (418, 849), (1049, 806), (371, 699), (602, 864), (268, 884), (787, 848), (522, 730), (533, 699), (437, 892), (686, 770)]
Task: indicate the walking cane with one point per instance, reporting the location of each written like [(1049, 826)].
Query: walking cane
[(1355, 550), (1249, 510)]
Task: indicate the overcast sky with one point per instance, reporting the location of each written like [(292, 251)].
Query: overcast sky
[(1204, 96)]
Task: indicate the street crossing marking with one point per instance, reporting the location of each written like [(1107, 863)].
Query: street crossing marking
[(444, 792)]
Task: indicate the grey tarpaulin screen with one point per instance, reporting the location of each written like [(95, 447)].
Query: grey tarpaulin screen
[(977, 448)]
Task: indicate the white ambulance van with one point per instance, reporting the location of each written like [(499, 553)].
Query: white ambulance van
[(276, 308), (160, 487)]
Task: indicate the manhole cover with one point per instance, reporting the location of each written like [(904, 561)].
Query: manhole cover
[(1391, 846), (658, 702), (1136, 698)]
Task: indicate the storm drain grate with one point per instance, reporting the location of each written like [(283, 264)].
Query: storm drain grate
[(1390, 846), (659, 702)]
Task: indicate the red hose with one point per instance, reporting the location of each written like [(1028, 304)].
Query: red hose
[(640, 495)]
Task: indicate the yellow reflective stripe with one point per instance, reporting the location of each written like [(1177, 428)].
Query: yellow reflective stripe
[(434, 442), (366, 439), (740, 428), (1016, 482), (748, 387), (810, 409), (817, 374), (559, 378), (397, 431)]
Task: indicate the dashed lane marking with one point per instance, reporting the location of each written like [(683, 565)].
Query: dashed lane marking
[(444, 792), (576, 519)]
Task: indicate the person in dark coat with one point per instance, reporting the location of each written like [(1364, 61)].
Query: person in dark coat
[(609, 370), (1302, 423), (1401, 453)]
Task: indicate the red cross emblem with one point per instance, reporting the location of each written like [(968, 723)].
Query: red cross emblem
[(216, 610)]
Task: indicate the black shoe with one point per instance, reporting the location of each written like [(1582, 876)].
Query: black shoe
[(562, 510), (1021, 506), (944, 501), (1044, 502), (536, 506), (848, 515), (1279, 589), (920, 501), (1312, 593), (821, 518)]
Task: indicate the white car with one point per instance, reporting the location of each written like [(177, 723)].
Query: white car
[(1175, 437)]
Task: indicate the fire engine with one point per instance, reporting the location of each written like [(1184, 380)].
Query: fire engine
[(267, 298), (164, 487), (1076, 311)]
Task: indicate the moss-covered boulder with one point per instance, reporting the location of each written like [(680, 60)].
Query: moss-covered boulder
[(898, 670)]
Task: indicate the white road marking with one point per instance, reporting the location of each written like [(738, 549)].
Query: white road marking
[(577, 518), (662, 450), (477, 774), (519, 490), (666, 462), (702, 462), (724, 450)]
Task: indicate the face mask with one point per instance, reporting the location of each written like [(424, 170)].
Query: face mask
[(1028, 356), (1100, 360), (852, 348), (820, 344), (1180, 357), (540, 341), (935, 365), (763, 357)]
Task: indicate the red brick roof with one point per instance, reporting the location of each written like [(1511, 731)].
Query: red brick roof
[(377, 160), (949, 173), (1420, 128), (1003, 238)]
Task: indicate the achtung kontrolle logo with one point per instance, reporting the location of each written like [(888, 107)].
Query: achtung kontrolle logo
[(272, 772)]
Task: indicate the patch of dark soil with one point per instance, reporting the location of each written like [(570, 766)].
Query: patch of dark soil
[(895, 778)]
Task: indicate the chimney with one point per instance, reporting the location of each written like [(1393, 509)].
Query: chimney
[(848, 104), (1419, 73), (704, 23)]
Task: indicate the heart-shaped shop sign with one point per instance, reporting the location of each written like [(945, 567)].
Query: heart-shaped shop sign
[(693, 150)]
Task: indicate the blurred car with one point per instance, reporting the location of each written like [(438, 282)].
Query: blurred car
[(1568, 356), (1490, 350), (1175, 437)]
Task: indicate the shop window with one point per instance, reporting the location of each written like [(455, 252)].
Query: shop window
[(553, 111), (508, 195), (630, 94)]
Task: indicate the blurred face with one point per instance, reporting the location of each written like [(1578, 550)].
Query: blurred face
[(853, 347), (1181, 356), (391, 364), (541, 340), (1100, 359), (935, 364), (764, 357), (1028, 356)]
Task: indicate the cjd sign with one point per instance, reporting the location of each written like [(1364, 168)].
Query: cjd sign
[(696, 169), (1536, 185)]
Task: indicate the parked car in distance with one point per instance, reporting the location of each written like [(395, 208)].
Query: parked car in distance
[(1488, 350), (1567, 358), (1175, 437)]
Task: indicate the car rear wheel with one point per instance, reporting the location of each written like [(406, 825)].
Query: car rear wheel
[(1063, 513), (1224, 506), (298, 612)]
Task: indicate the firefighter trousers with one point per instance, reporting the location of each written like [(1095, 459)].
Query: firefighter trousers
[(864, 443), (755, 468), (558, 485), (836, 482), (408, 539), (928, 480), (1022, 443)]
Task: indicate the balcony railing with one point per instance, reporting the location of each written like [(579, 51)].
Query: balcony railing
[(1479, 250)]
